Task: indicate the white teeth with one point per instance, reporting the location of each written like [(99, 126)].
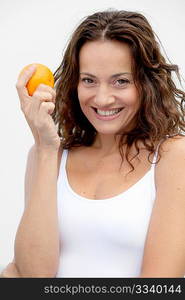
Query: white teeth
[(108, 112)]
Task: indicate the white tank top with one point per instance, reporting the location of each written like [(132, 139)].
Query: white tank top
[(103, 238)]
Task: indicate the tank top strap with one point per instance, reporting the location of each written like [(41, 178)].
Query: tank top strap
[(155, 158)]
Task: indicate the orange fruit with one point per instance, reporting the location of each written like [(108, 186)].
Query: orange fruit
[(42, 75)]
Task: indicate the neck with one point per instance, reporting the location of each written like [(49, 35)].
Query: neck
[(107, 144)]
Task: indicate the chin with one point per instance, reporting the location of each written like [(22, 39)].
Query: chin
[(107, 131)]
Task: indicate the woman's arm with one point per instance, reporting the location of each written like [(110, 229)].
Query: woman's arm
[(164, 254), (11, 270), (37, 238)]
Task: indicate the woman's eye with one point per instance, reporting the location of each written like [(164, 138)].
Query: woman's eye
[(87, 80), (122, 82)]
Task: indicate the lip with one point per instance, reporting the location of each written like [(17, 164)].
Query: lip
[(107, 118)]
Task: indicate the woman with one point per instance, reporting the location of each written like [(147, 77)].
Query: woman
[(105, 190)]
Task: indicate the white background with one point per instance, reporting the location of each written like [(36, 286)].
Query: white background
[(37, 31)]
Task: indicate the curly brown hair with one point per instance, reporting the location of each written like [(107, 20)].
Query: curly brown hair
[(161, 112)]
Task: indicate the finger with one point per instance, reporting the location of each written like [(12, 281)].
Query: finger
[(23, 79), (38, 98), (46, 88), (31, 107), (31, 110), (42, 96), (39, 110), (43, 117), (46, 108)]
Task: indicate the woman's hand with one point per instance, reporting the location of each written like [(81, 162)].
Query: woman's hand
[(37, 109), (10, 271)]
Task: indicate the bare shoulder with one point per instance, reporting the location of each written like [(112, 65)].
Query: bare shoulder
[(174, 144), (164, 254), (172, 162)]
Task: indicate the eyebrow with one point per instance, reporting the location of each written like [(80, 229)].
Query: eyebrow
[(112, 76)]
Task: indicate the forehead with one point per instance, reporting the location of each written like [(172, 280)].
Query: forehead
[(105, 55)]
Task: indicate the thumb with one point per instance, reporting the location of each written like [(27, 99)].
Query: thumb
[(26, 74)]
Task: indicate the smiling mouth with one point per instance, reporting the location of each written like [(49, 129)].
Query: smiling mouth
[(105, 113)]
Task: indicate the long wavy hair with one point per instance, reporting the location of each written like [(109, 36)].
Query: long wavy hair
[(161, 111)]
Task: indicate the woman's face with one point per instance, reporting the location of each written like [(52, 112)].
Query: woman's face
[(107, 93)]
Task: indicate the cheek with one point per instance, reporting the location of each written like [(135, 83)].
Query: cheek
[(132, 98), (84, 97), (81, 95), (79, 92)]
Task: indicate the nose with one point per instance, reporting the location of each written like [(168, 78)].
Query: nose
[(103, 96)]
